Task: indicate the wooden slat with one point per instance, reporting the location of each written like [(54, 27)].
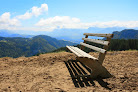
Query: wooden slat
[(99, 35), (84, 54), (80, 53), (93, 47), (69, 47), (96, 41), (82, 47)]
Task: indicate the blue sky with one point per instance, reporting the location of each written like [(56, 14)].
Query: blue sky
[(48, 15)]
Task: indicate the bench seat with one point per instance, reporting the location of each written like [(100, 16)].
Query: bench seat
[(80, 53)]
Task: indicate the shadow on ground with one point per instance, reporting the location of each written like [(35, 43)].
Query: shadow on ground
[(80, 75)]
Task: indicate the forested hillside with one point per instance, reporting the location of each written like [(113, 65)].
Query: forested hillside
[(16, 46), (123, 44), (126, 34)]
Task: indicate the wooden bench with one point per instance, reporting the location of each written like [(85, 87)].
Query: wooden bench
[(95, 64)]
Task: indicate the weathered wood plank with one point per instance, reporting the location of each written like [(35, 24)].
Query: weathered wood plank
[(84, 54), (99, 35), (93, 47), (80, 53), (76, 53), (96, 41)]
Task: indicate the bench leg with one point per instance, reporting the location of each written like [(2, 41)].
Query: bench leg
[(97, 69)]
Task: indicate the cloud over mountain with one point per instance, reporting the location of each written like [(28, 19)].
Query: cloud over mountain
[(69, 22), (59, 22)]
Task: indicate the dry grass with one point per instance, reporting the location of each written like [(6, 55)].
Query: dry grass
[(48, 73)]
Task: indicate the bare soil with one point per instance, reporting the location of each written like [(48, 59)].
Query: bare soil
[(54, 72)]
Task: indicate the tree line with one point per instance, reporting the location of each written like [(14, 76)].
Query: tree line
[(115, 45)]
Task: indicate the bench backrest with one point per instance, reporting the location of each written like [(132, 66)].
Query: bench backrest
[(102, 42)]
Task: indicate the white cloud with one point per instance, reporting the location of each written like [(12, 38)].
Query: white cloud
[(37, 11), (34, 11), (59, 22), (68, 22), (27, 15), (49, 24), (6, 22)]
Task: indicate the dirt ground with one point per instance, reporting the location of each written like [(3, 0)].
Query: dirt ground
[(54, 72)]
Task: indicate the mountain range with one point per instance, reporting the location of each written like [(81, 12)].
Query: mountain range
[(7, 33), (17, 46), (73, 35)]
